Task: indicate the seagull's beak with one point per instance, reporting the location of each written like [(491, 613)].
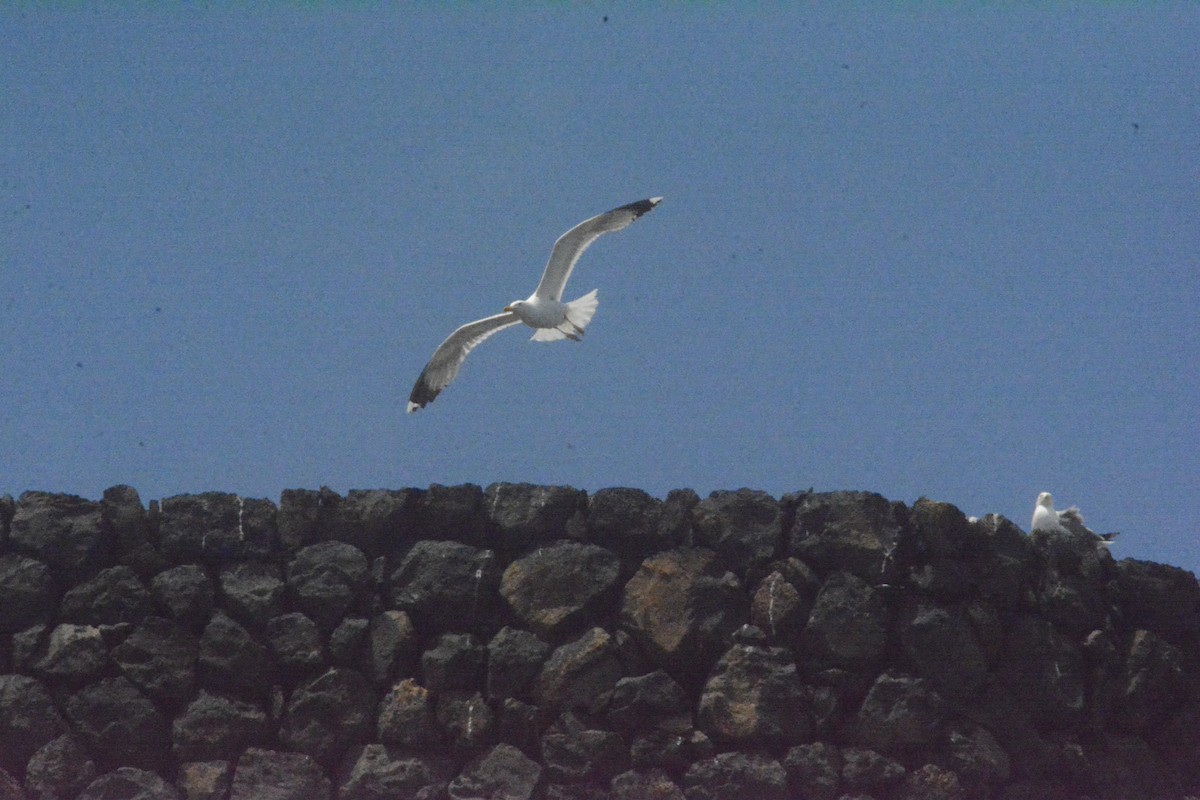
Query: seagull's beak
[(508, 308)]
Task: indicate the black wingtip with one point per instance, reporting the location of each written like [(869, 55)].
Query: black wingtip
[(422, 394), (642, 206)]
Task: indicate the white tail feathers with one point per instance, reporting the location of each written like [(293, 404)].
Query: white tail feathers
[(579, 314), (581, 311), (547, 335)]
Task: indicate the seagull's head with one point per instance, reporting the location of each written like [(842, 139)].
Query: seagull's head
[(514, 305), (1045, 500)]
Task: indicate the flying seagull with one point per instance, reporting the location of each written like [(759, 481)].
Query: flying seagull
[(1045, 518), (544, 310)]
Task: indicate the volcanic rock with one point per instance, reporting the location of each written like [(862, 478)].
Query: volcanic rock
[(556, 587)]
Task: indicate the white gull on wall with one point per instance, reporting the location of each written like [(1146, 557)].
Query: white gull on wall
[(1047, 519)]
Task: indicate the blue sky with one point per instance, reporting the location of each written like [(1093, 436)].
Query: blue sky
[(933, 250)]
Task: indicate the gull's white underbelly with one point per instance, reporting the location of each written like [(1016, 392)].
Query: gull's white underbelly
[(542, 313)]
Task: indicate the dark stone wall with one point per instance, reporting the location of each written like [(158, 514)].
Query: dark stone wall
[(539, 642)]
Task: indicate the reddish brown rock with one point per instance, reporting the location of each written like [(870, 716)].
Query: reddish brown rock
[(406, 716), (681, 607), (555, 588), (580, 674), (754, 698)]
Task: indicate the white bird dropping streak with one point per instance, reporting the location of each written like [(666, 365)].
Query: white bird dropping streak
[(475, 594), (771, 604), (544, 311)]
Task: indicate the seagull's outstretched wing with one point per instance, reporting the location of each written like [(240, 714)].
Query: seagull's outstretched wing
[(570, 245), (1072, 520), (442, 369)]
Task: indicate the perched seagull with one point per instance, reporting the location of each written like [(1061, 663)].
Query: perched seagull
[(544, 310), (1045, 518)]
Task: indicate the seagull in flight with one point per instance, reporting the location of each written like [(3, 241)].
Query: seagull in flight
[(551, 319)]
